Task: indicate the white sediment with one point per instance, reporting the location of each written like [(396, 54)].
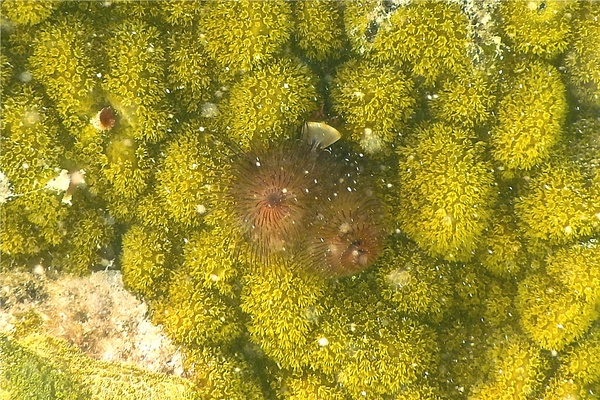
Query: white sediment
[(95, 313)]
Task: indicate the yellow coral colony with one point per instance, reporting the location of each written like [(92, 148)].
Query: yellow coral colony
[(444, 244)]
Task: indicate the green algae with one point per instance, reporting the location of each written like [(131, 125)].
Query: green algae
[(484, 158)]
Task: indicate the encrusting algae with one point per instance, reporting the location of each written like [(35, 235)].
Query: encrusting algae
[(447, 246)]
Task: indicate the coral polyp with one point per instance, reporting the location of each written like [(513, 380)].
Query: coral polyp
[(582, 60), (530, 116), (446, 191), (245, 34), (410, 36), (263, 105), (376, 100), (540, 27)]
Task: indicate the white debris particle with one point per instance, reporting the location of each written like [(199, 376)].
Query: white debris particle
[(323, 342), (201, 209), (5, 192), (371, 142), (61, 182), (209, 110), (398, 278), (25, 76), (39, 270), (77, 177)]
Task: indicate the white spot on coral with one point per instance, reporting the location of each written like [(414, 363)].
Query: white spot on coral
[(77, 177), (61, 182), (5, 192), (371, 142), (323, 342), (398, 278), (201, 209), (209, 110), (25, 76)]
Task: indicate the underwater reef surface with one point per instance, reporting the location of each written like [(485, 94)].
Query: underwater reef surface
[(445, 247)]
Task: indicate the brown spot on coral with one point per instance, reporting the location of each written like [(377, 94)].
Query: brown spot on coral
[(105, 119)]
